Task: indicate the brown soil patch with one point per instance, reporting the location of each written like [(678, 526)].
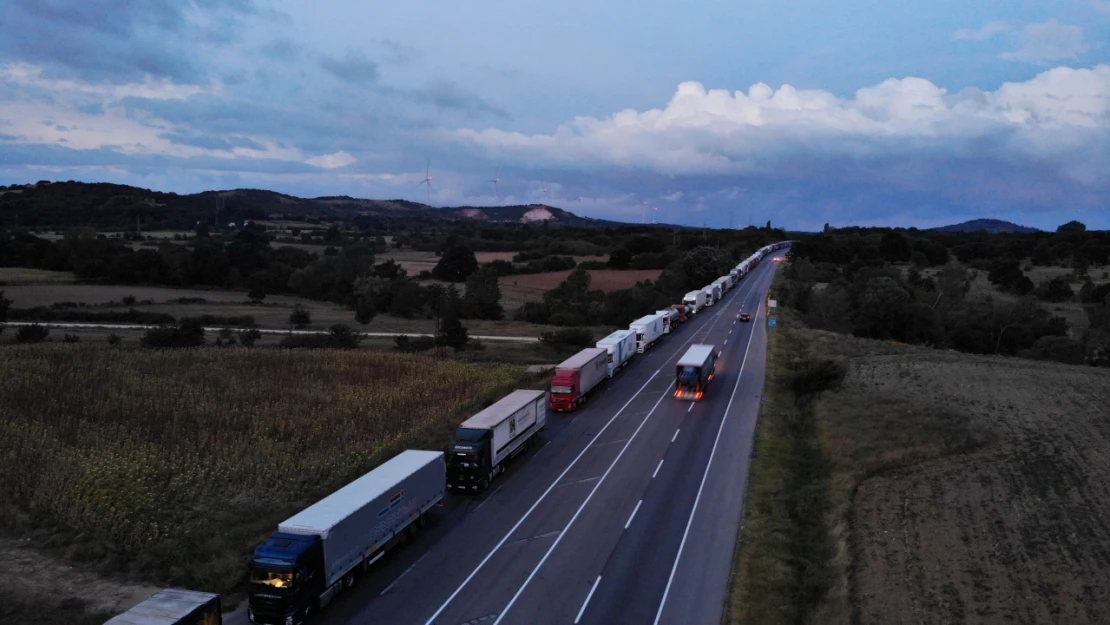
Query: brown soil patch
[(531, 287)]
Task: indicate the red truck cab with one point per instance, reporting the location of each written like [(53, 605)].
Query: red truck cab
[(564, 391)]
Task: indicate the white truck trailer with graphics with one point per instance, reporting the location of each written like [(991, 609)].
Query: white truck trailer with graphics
[(485, 442)]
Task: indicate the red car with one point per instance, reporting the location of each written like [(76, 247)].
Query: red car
[(744, 317)]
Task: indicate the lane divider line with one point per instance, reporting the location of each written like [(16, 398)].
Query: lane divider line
[(657, 469), (585, 603), (633, 516)]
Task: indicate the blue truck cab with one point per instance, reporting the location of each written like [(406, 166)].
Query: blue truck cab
[(287, 575)]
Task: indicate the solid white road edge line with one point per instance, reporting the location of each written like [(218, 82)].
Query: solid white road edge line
[(566, 528), (657, 469), (633, 516), (697, 499), (585, 603)]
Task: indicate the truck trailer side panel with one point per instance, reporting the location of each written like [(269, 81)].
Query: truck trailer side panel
[(358, 519)]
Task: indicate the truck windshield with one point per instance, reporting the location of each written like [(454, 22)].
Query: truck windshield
[(561, 390), (462, 461), (274, 579)]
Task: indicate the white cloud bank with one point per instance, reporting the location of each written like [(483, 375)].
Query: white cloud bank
[(1062, 113)]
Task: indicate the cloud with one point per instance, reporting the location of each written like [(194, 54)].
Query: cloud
[(448, 95), (118, 40), (1102, 6), (26, 75), (1062, 114), (1048, 41), (990, 29), (673, 197), (354, 67), (398, 53), (331, 161)]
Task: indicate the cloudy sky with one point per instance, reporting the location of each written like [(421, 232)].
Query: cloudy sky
[(800, 111)]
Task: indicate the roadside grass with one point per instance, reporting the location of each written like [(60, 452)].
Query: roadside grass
[(173, 465)]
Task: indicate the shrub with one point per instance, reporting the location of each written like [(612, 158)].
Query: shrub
[(406, 343), (814, 376), (247, 338), (300, 317), (42, 313), (567, 337), (71, 338), (234, 321), (114, 339), (1055, 290), (129, 300), (167, 337), (533, 312), (33, 333)]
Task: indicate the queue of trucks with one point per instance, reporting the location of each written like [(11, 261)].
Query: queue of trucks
[(319, 552)]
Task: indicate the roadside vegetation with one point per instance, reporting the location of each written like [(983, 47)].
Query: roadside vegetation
[(894, 482), (171, 464)]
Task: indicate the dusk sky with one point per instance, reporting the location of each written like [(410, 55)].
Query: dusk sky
[(803, 112)]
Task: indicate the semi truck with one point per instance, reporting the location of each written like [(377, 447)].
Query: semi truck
[(320, 550), (710, 295), (695, 300), (173, 607), (695, 370), (723, 284), (486, 442), (670, 319), (648, 329), (683, 310), (621, 346), (577, 377)]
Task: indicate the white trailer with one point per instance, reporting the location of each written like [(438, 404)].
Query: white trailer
[(695, 300), (621, 346), (327, 544), (173, 607), (723, 284), (670, 319), (648, 329), (484, 442)]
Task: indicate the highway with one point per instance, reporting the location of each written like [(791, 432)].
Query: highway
[(627, 511)]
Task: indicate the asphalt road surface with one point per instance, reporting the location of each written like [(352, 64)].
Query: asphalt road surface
[(626, 513)]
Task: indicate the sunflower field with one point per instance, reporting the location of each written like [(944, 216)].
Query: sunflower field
[(174, 463)]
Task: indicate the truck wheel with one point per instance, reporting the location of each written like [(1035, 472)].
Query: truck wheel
[(350, 580)]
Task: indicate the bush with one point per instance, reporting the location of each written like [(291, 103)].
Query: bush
[(345, 337), (1055, 290), (568, 337), (814, 376), (234, 321), (533, 312), (33, 333), (129, 300), (71, 338), (257, 294), (300, 317), (455, 265), (593, 264), (167, 337), (1056, 348), (406, 343), (339, 336), (114, 339), (247, 338), (42, 313)]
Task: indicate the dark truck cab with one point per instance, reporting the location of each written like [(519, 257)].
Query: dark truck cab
[(694, 371), (286, 575)]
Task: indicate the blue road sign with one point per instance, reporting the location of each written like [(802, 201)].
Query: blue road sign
[(771, 321)]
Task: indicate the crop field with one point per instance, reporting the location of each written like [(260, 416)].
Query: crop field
[(25, 275), (172, 464), (932, 487), (530, 287)]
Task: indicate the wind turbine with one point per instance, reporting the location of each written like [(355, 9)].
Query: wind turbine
[(496, 180), (654, 214), (643, 212), (428, 181)]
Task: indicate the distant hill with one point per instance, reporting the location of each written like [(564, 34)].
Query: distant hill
[(109, 206), (992, 226)]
